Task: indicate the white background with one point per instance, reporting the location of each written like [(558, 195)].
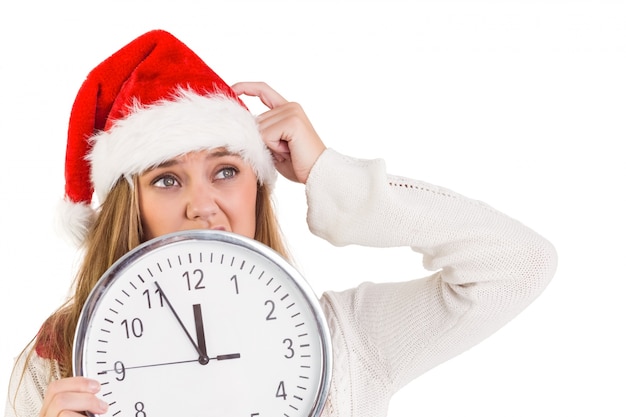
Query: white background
[(520, 104)]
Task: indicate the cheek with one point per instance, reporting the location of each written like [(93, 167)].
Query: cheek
[(155, 216), (147, 218), (245, 212)]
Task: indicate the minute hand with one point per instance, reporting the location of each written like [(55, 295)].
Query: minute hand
[(203, 355)]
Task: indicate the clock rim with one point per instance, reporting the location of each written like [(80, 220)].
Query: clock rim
[(130, 258)]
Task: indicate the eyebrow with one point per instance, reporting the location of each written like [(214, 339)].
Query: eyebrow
[(217, 153), (222, 152)]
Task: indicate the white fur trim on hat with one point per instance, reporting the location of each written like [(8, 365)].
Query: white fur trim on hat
[(73, 221), (153, 134)]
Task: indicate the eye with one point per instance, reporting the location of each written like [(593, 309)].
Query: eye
[(226, 173), (165, 181)]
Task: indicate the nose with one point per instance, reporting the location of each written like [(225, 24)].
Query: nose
[(201, 205)]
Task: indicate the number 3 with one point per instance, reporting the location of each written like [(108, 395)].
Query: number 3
[(289, 344)]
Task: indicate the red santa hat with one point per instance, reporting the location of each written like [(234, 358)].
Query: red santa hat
[(151, 101)]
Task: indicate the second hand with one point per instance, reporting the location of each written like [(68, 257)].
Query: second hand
[(218, 357)]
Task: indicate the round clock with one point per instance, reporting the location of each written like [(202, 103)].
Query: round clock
[(205, 323)]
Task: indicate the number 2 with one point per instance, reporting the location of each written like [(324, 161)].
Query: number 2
[(270, 315)]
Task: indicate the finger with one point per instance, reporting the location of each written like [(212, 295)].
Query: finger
[(294, 145), (275, 133), (68, 385), (283, 124), (76, 384), (77, 402), (264, 92)]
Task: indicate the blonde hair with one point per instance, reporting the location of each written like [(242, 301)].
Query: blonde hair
[(116, 231)]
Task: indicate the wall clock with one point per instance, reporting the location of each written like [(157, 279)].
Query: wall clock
[(205, 323)]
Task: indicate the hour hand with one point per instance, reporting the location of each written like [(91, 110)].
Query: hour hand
[(197, 315)]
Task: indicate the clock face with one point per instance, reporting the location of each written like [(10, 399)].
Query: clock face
[(204, 323)]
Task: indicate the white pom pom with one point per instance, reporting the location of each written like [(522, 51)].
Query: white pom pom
[(73, 221)]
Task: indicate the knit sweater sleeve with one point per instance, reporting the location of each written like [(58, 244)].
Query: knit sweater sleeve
[(29, 380), (486, 268)]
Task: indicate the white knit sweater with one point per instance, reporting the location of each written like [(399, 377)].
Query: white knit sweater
[(487, 268)]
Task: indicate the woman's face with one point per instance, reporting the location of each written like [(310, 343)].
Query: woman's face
[(211, 189)]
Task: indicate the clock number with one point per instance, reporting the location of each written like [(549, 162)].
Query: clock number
[(136, 328), (147, 294), (198, 279), (234, 279), (289, 344), (120, 370), (139, 409), (270, 315), (280, 391)]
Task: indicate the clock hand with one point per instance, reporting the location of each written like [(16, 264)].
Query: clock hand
[(197, 315), (218, 357), (225, 357), (167, 301), (159, 364)]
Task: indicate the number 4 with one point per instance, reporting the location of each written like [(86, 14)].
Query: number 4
[(280, 392)]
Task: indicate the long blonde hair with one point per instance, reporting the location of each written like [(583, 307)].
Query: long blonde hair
[(116, 231)]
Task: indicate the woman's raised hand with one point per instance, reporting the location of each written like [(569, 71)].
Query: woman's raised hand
[(71, 397), (286, 131)]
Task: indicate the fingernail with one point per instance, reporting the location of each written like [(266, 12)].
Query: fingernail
[(94, 386), (103, 406)]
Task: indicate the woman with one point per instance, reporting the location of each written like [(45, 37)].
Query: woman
[(166, 145)]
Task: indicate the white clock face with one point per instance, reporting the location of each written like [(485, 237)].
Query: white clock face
[(204, 324)]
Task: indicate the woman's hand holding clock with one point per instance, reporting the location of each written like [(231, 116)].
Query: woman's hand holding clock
[(71, 397)]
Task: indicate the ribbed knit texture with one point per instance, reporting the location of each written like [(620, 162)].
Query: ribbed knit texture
[(486, 268), (30, 384)]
